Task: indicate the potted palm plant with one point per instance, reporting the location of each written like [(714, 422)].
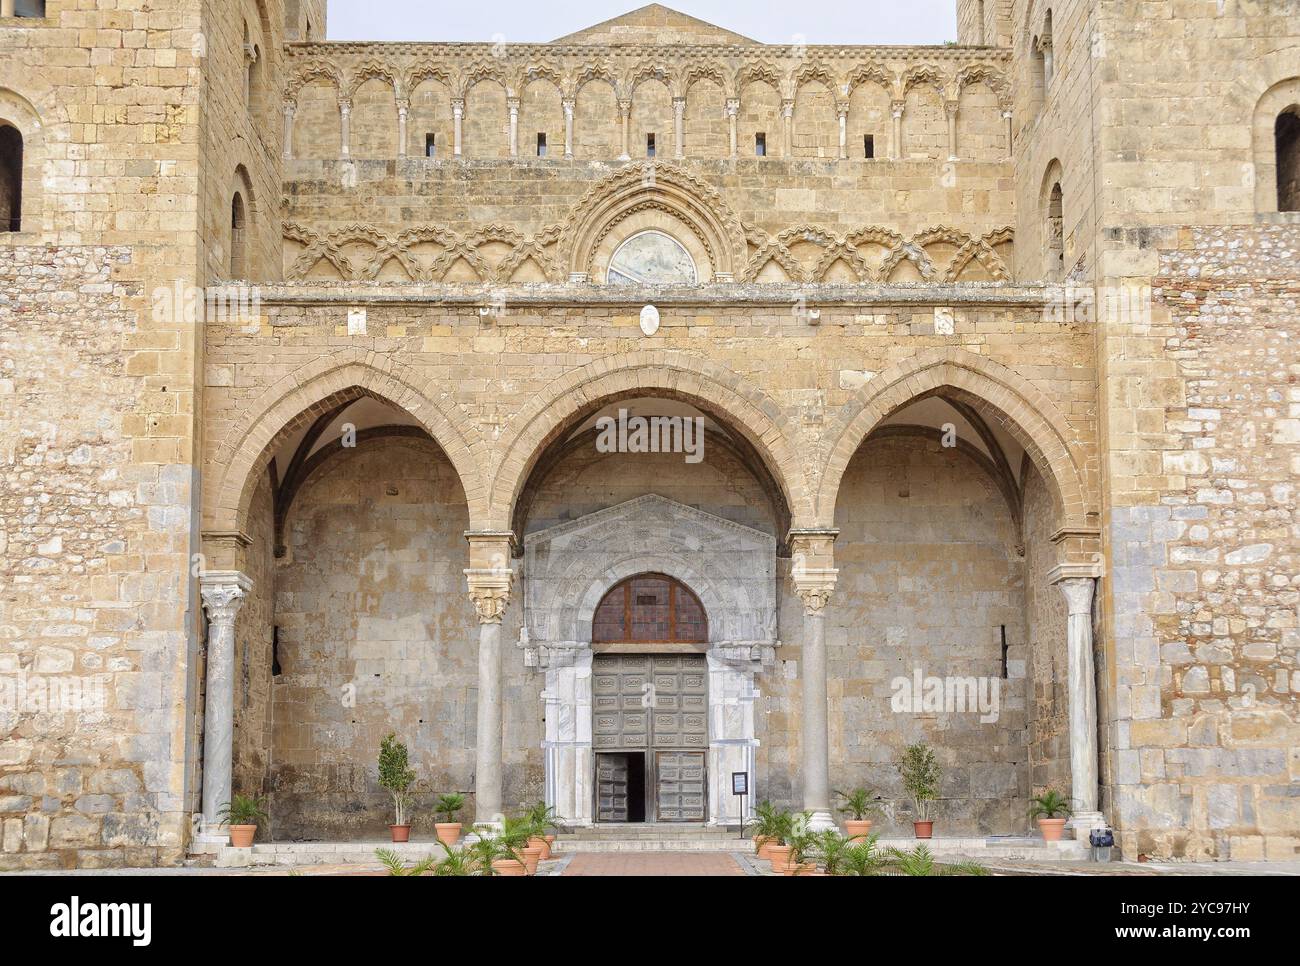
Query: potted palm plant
[(921, 773), (544, 819), (803, 853), (858, 803), (456, 862), (396, 775), (761, 828), (396, 866), (1051, 809), (780, 832), (242, 815), (446, 808), (508, 853)]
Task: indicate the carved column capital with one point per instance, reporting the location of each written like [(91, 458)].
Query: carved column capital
[(569, 104), (950, 108), (733, 107), (223, 593), (897, 108), (787, 107), (812, 569), (345, 105), (290, 105), (625, 108), (489, 576), (1078, 593), (458, 105)]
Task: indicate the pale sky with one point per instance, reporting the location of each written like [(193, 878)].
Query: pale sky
[(535, 21)]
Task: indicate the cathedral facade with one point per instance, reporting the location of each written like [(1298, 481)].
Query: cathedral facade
[(615, 416)]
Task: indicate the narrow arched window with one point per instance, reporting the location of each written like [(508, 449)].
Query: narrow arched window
[(11, 178), (1286, 141), (1055, 234), (238, 224), (29, 8), (649, 609)]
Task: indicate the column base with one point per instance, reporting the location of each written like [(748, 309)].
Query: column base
[(210, 841), (1082, 823), (820, 820)]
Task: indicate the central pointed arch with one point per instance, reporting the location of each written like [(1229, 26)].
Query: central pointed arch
[(710, 387)]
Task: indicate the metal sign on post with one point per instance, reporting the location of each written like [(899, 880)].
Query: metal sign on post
[(740, 786)]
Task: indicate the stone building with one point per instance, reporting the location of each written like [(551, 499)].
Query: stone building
[(612, 415)]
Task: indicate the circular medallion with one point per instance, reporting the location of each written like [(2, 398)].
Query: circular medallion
[(649, 320)]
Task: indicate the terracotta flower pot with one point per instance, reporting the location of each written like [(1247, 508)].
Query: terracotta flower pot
[(448, 832), (809, 868), (779, 856), (241, 836), (857, 829), (924, 830), (509, 867), (401, 833), (761, 842), (550, 845), (1051, 828), (531, 854), (543, 847)]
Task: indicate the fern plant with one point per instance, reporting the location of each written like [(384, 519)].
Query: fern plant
[(917, 862), (395, 866), (456, 862), (862, 858)]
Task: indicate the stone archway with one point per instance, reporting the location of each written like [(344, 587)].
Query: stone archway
[(990, 388), (568, 570), (714, 389), (306, 394)]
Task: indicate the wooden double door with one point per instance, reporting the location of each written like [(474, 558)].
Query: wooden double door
[(650, 736)]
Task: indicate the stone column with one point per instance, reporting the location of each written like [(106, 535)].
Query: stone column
[(6, 8), (223, 593), (1049, 64), (787, 128), (843, 111), (345, 127), (289, 109), (733, 108), (814, 582), (458, 123), (489, 578), (1078, 588), (896, 144), (569, 105), (679, 127), (625, 111), (403, 112), (950, 109), (512, 104), (1006, 116)]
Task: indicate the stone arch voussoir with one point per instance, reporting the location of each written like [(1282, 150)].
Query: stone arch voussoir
[(305, 394), (996, 391), (742, 407)]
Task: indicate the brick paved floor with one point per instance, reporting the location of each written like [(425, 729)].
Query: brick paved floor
[(653, 863)]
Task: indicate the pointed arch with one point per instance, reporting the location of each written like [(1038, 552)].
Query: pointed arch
[(747, 411), (307, 393), (996, 392)]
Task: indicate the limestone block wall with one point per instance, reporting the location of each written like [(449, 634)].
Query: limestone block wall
[(97, 407), (930, 573), (475, 221), (1205, 581), (1195, 388), (377, 634)]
